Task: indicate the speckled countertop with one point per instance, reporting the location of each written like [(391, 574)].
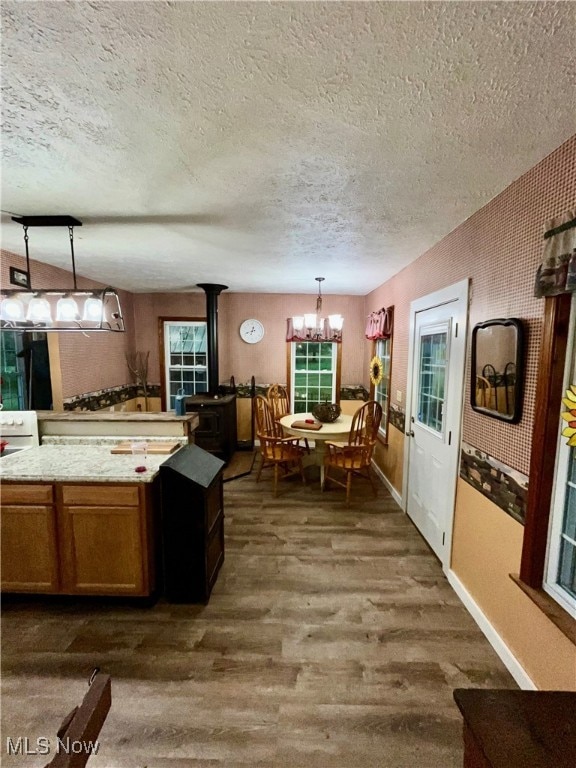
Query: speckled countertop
[(78, 463), (109, 440)]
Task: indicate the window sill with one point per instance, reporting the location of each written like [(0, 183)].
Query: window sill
[(557, 615)]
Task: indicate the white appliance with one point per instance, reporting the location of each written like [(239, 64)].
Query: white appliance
[(19, 429)]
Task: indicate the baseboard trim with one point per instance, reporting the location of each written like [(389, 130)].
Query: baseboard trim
[(506, 656), (393, 492)]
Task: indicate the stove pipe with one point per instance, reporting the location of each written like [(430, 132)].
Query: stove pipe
[(212, 291)]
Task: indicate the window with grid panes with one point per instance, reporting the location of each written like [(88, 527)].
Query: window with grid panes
[(382, 389), (313, 374), (560, 574), (186, 358)]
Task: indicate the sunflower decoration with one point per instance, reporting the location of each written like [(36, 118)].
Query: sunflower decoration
[(377, 371), (570, 415)]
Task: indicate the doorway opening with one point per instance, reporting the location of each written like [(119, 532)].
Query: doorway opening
[(25, 371)]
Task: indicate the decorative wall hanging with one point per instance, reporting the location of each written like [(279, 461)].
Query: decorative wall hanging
[(376, 370), (58, 309), (569, 401), (380, 324), (313, 327), (557, 273)]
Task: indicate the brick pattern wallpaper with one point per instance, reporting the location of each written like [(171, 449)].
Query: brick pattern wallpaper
[(499, 249)]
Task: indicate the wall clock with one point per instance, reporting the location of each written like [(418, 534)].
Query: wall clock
[(251, 331)]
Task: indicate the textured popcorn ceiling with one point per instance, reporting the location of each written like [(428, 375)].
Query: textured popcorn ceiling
[(263, 144)]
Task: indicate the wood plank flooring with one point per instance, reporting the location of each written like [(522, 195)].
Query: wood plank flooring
[(331, 640)]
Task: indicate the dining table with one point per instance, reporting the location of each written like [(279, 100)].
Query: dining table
[(336, 431)]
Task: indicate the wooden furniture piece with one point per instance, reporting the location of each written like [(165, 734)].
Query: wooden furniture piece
[(216, 431), (336, 430), (354, 457), (192, 524), (78, 734), (276, 451), (518, 729), (77, 539), (278, 400)]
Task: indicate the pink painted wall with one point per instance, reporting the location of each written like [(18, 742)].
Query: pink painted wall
[(499, 249), (88, 363), (267, 359)]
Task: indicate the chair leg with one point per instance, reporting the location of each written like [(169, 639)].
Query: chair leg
[(348, 487), (372, 483), (276, 479), (260, 468), (301, 466)]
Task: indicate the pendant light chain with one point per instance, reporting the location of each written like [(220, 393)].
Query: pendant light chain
[(71, 233), (319, 298), (27, 257)]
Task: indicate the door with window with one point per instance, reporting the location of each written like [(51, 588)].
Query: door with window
[(314, 374), (433, 426), (185, 358)]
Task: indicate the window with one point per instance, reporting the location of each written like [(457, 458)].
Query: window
[(314, 374), (185, 358), (383, 350), (560, 574), (541, 507)]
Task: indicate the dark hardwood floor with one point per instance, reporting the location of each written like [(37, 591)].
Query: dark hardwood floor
[(331, 640)]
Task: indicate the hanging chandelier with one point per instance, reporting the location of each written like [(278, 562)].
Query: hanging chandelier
[(312, 326), (58, 309)]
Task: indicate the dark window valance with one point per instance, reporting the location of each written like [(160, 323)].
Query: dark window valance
[(380, 324), (557, 273)]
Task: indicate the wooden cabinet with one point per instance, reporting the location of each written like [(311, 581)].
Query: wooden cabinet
[(28, 539), (91, 540), (192, 524), (517, 729)]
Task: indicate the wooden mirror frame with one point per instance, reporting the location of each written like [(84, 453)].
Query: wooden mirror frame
[(515, 416)]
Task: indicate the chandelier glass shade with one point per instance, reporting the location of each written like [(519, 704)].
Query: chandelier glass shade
[(312, 326), (58, 309)]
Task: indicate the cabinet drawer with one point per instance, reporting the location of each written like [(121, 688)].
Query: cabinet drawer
[(100, 495), (20, 493)]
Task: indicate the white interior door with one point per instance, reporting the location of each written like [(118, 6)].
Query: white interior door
[(433, 424)]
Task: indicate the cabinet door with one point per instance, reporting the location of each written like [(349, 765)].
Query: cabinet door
[(29, 550), (103, 550)]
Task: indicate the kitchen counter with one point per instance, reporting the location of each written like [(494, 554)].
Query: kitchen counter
[(126, 424), (113, 416), (78, 463)]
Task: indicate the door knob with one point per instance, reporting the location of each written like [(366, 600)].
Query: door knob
[(410, 434)]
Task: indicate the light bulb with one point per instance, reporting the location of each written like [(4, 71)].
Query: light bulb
[(93, 310), (336, 322), (298, 323), (39, 311), (12, 309), (67, 309), (310, 321)]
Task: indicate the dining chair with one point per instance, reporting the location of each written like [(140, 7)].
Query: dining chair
[(276, 451), (279, 400), (79, 731), (354, 456)]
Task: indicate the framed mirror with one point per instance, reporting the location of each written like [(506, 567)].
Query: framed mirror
[(497, 369)]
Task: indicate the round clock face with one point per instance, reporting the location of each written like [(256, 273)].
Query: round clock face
[(251, 331)]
